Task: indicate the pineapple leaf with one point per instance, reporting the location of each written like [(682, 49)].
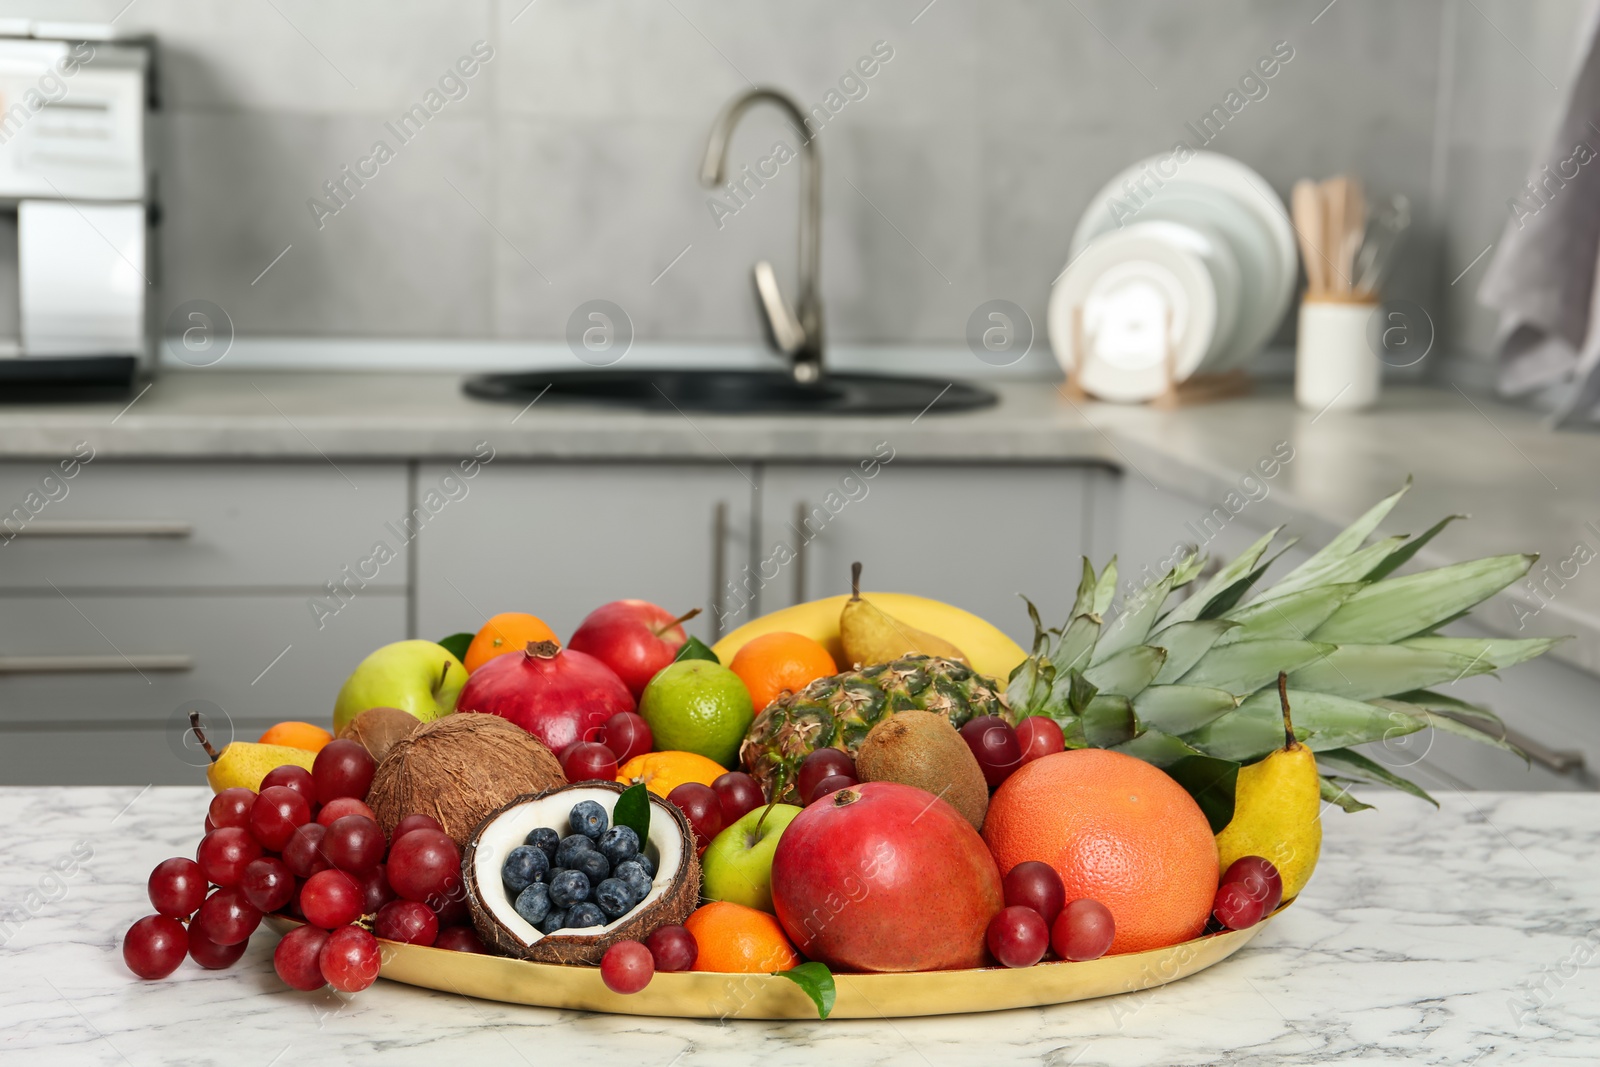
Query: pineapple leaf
[(1105, 589), (1294, 615), (1109, 721), (1158, 748), (1132, 624), (1128, 672), (1359, 672), (1178, 709), (1446, 725), (1192, 608), (1186, 642), (1448, 705), (1244, 667), (1077, 643), (1402, 607), (1498, 653), (1353, 568), (1226, 600), (1348, 763), (1334, 792), (1041, 635), (1080, 692), (1401, 556), (1211, 782), (1313, 572), (1084, 604), (1322, 721)]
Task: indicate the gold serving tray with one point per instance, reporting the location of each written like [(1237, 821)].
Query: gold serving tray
[(707, 995)]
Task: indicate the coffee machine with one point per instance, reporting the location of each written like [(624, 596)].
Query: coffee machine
[(77, 181)]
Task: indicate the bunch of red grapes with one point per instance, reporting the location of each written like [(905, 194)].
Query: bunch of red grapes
[(308, 847), (622, 737), (1038, 917)]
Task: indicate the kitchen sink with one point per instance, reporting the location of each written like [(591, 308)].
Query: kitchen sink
[(733, 392)]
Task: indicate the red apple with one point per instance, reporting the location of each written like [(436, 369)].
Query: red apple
[(635, 638), (558, 695)]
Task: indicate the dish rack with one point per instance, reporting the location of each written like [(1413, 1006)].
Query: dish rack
[(1201, 388)]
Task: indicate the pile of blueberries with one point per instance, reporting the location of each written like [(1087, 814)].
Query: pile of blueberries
[(591, 877)]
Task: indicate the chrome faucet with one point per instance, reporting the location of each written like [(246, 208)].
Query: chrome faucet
[(796, 334)]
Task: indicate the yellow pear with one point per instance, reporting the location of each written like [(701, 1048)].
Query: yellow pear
[(1277, 810), (246, 762), (870, 635)]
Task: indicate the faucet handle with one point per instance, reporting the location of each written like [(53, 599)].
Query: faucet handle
[(783, 329)]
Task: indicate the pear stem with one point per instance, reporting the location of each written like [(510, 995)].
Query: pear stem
[(200, 735), (1283, 698), (855, 581)]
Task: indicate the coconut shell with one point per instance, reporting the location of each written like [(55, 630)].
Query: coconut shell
[(922, 749), (378, 729), (458, 769), (678, 900)]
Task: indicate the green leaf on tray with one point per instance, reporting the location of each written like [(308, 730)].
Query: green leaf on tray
[(817, 982), (633, 810), (456, 644), (694, 648), (1211, 782)]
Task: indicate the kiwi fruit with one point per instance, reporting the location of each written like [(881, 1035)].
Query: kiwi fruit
[(922, 749)]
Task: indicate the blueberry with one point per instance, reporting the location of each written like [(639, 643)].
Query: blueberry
[(533, 903), (550, 875), (593, 865), (567, 851), (569, 888), (647, 863), (524, 864), (555, 920), (544, 839), (585, 915), (633, 875), (615, 897), (588, 818), (619, 843)]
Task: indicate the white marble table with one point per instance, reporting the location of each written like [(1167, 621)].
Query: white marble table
[(1465, 936)]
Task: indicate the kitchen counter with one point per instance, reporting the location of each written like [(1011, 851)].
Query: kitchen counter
[(1450, 937)]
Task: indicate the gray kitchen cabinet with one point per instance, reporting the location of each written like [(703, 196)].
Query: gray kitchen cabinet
[(974, 536), (559, 540)]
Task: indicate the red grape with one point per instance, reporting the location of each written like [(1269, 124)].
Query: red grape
[(459, 939), (1036, 885), (342, 806), (291, 776), (1039, 736), (331, 899), (1017, 937), (268, 884), (212, 956), (225, 852), (343, 768), (830, 785), (275, 816), (994, 744), (700, 806), (453, 910), (177, 887), (154, 946), (1236, 907), (231, 807), (425, 865), (304, 853), (407, 921), (1083, 931), (627, 735), (586, 761), (353, 843), (1259, 876), (627, 967), (349, 959), (673, 948), (414, 822), (375, 889), (820, 764), (295, 958), (227, 917), (739, 795), (210, 826)]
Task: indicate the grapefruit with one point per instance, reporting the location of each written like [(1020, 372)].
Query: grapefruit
[(1117, 830)]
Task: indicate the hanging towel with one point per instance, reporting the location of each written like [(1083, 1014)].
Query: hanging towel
[(1543, 278)]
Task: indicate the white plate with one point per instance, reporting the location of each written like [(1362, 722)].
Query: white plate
[(1125, 283), (1224, 194), (1216, 252)]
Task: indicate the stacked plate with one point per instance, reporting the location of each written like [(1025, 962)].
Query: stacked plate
[(1203, 261)]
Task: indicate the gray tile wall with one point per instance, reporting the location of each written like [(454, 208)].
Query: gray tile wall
[(567, 171)]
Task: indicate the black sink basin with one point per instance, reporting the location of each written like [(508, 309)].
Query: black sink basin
[(733, 392)]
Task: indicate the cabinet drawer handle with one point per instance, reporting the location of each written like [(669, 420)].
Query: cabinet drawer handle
[(76, 664), (1559, 760), (105, 528), (801, 513), (719, 565)]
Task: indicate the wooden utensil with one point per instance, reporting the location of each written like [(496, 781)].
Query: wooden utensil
[(1305, 206)]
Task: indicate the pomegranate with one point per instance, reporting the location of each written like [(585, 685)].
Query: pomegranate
[(885, 877), (557, 696)]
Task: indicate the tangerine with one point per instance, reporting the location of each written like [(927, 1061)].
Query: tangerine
[(296, 735), (735, 939), (662, 772), (774, 663), (510, 631)]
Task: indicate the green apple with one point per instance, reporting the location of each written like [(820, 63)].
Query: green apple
[(737, 865), (420, 677)]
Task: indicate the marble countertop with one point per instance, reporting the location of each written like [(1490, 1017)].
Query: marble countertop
[(1466, 936)]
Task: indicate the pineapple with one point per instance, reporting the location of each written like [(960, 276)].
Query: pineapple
[(840, 709)]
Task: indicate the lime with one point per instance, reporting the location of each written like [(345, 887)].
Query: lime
[(698, 706)]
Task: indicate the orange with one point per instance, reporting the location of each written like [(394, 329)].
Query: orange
[(774, 663), (1117, 830), (297, 735), (509, 631), (740, 940), (662, 772)]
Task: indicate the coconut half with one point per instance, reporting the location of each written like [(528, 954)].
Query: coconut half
[(674, 894)]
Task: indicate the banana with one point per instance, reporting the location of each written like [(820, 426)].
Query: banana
[(991, 652)]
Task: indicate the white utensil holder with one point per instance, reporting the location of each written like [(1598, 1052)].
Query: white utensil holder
[(1335, 368)]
